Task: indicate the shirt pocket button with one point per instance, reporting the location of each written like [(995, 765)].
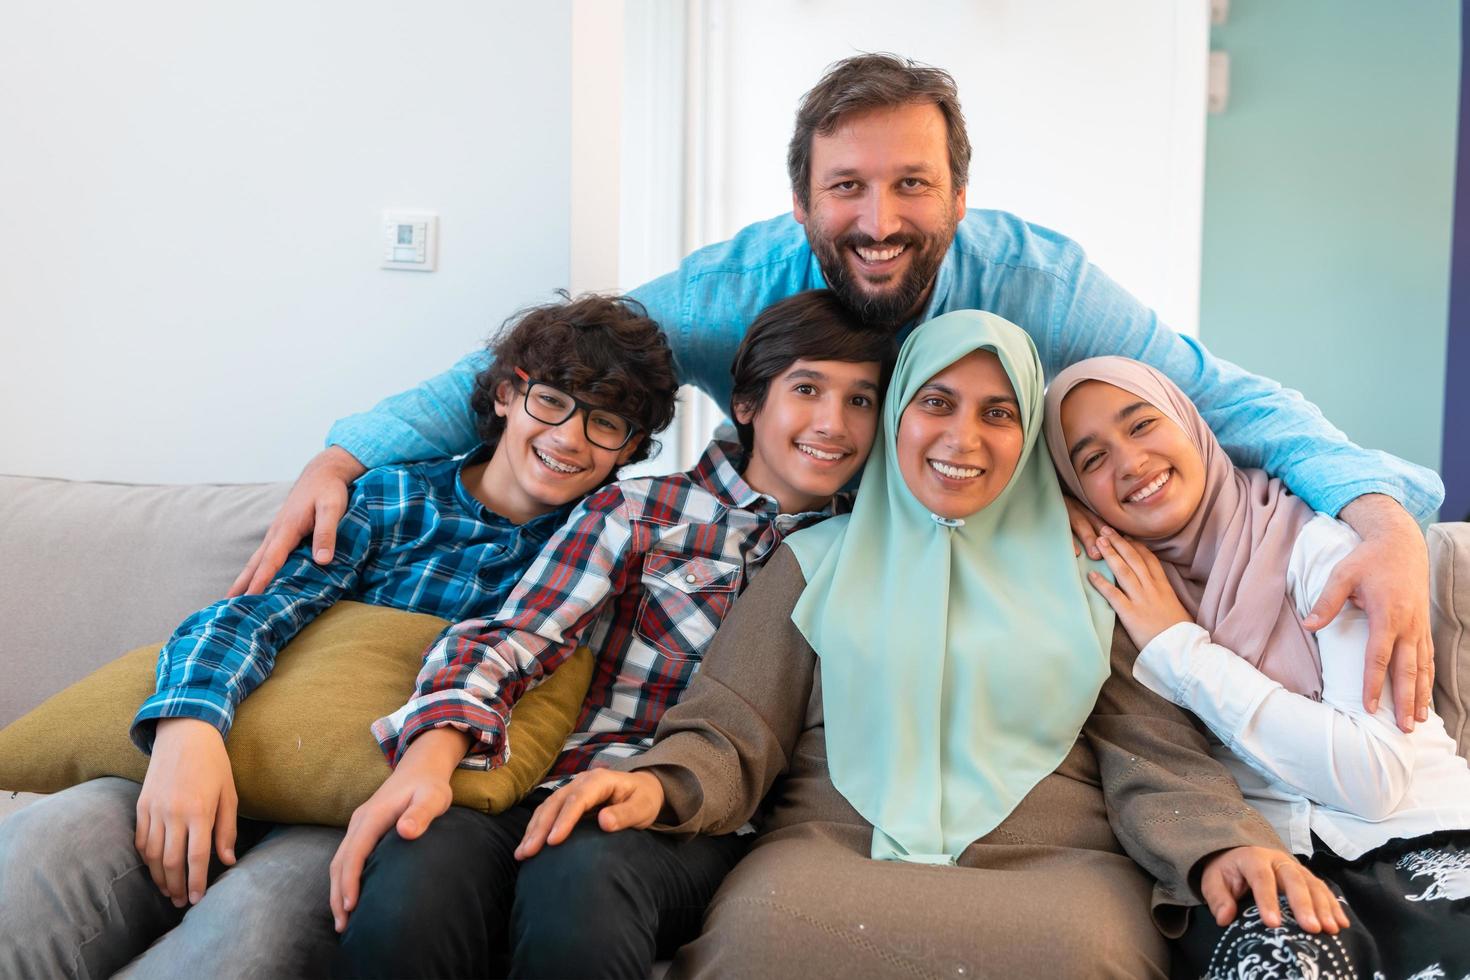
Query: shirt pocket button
[(684, 600)]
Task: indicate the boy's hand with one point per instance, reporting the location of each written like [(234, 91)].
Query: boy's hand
[(410, 799), (1143, 598), (1267, 872), (315, 504), (629, 800), (188, 798)]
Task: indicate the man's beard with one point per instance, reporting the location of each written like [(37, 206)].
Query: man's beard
[(895, 305)]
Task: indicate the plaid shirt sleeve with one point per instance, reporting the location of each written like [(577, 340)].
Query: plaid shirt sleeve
[(476, 671), (221, 653)]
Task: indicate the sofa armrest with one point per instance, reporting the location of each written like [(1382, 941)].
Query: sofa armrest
[(1449, 607)]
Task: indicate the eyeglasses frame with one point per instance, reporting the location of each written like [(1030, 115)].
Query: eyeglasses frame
[(577, 405)]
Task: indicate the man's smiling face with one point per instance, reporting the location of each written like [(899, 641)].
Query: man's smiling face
[(882, 209)]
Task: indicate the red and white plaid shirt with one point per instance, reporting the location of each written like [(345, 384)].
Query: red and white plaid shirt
[(642, 572)]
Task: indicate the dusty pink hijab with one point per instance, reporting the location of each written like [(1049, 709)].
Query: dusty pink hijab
[(1228, 564)]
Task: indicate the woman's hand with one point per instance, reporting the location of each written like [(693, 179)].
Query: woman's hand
[(1266, 872), (1143, 599), (629, 800)]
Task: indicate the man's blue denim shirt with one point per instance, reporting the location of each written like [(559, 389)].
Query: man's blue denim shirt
[(1030, 275)]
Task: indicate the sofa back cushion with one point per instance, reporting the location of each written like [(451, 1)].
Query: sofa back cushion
[(88, 570)]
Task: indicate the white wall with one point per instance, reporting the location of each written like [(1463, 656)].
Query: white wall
[(596, 126), (189, 206), (1086, 117), (190, 194)]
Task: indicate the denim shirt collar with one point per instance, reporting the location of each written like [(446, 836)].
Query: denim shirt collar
[(943, 280)]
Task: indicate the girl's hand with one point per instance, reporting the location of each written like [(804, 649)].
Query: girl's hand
[(1143, 599), (1085, 527)]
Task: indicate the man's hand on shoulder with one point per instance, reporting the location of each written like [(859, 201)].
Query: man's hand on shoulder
[(1388, 577), (315, 504), (188, 803)]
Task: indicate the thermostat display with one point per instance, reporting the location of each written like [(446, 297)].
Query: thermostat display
[(410, 240)]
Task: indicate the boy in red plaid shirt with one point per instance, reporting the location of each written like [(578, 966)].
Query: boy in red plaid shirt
[(643, 572)]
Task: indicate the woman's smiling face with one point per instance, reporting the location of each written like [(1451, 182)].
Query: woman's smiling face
[(960, 437), (1139, 471)]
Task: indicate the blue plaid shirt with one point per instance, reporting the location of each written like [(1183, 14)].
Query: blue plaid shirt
[(413, 538)]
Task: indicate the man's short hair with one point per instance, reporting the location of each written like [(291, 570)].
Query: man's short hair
[(602, 349), (810, 326), (874, 81)]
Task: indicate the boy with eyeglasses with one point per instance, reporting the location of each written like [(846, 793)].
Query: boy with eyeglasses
[(447, 537), (643, 573)]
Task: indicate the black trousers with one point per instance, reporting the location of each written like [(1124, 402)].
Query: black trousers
[(1408, 902), (456, 902)]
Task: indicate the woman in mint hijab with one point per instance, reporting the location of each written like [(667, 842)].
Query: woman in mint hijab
[(962, 532), (932, 722)]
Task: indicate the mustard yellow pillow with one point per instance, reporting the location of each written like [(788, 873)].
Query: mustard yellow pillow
[(300, 747)]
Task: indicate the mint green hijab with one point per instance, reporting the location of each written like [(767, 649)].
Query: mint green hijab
[(958, 663)]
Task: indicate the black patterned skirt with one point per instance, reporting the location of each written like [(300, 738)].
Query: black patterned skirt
[(1408, 902)]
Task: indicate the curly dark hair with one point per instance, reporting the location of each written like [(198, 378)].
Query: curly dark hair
[(812, 326), (604, 350), (874, 81)]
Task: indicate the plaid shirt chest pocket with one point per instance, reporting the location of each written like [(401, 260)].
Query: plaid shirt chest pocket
[(684, 600)]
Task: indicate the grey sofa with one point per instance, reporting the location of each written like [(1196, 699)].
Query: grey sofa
[(89, 570)]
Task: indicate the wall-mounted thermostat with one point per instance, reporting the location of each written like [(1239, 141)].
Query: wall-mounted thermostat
[(410, 240)]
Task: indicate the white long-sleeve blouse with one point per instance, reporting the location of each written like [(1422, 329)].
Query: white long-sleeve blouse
[(1326, 767)]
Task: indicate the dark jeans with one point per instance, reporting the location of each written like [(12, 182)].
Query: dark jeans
[(456, 902)]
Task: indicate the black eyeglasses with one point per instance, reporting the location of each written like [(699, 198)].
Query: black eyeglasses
[(604, 429)]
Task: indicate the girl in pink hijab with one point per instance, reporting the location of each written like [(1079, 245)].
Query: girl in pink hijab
[(1215, 569)]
